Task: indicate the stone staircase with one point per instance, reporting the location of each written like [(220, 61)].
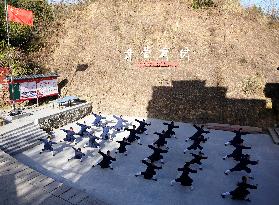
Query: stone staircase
[(274, 132), (21, 138), (22, 185)]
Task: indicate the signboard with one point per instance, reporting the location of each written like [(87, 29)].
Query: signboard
[(31, 89), (47, 87), (163, 59)]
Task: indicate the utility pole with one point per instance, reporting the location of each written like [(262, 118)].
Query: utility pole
[(9, 57)]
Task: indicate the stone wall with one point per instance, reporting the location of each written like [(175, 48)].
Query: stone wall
[(64, 117)]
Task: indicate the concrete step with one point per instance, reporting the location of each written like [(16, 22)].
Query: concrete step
[(24, 145), (15, 140), (23, 148), (14, 130), (274, 135), (18, 133)]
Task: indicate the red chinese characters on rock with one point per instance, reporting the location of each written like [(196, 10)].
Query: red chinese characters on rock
[(144, 64)]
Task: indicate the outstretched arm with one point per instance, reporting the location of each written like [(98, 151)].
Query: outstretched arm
[(164, 151), (116, 117), (112, 159), (101, 153), (151, 147), (195, 126), (244, 147), (254, 162), (43, 140), (194, 155), (145, 162), (250, 186), (192, 171), (157, 167)]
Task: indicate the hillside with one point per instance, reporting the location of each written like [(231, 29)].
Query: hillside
[(233, 55)]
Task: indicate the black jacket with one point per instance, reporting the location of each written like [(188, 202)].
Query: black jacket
[(156, 155), (122, 147), (241, 191), (106, 161), (150, 170)]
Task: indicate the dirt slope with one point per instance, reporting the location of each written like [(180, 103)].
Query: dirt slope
[(230, 50)]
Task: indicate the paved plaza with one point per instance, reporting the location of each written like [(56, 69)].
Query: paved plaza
[(120, 186)]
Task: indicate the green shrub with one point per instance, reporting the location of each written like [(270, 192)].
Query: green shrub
[(196, 4)]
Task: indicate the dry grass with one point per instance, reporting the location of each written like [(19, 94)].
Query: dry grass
[(227, 47)]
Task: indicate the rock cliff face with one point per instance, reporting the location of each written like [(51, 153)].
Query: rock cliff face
[(232, 52)]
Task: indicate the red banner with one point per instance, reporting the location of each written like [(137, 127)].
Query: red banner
[(157, 64), (20, 15)]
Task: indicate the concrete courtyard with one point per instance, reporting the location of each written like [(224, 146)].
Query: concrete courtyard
[(120, 186)]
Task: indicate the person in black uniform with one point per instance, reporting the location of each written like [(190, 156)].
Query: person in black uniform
[(197, 159), (156, 155), (150, 172), (242, 165), (47, 145), (170, 132), (199, 132), (241, 192), (122, 147), (141, 129), (161, 141), (184, 178), (133, 135), (106, 161), (195, 145), (237, 153), (78, 154), (237, 138)]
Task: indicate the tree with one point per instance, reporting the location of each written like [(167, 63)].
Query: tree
[(23, 39)]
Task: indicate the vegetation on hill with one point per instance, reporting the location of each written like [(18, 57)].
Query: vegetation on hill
[(24, 40)]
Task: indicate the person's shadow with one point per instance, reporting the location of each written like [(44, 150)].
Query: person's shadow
[(62, 146)]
